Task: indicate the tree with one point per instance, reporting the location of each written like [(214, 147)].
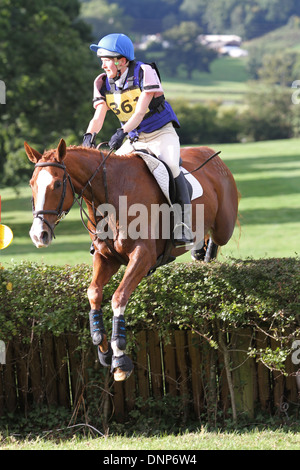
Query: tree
[(151, 17), (279, 68), (269, 113), (48, 71), (105, 18), (248, 18), (185, 49)]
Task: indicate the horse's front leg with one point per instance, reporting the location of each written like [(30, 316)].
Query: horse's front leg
[(103, 269), (138, 266)]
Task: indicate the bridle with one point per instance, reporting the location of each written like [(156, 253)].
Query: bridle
[(60, 214)]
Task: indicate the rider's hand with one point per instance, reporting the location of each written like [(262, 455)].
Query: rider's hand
[(89, 140), (117, 139)]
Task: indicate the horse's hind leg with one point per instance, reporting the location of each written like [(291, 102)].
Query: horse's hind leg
[(211, 251), (206, 252), (198, 252)]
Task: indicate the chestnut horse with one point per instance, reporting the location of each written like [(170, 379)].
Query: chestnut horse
[(64, 175)]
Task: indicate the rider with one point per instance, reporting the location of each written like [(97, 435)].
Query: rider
[(132, 90)]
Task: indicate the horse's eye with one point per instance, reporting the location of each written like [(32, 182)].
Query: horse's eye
[(57, 184)]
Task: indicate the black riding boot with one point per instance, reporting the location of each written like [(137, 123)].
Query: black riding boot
[(183, 227)]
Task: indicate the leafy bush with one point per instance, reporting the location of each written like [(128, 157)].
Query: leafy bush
[(269, 114), (207, 123), (193, 295)]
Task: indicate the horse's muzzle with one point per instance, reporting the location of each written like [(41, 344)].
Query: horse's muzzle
[(40, 234)]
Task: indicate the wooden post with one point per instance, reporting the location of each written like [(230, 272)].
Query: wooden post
[(227, 388), (243, 372), (2, 408), (155, 364), (169, 355), (180, 342), (49, 371), (35, 371), (278, 379), (75, 367), (130, 393), (142, 365), (22, 370), (119, 401), (263, 373), (9, 380), (62, 371), (194, 345)]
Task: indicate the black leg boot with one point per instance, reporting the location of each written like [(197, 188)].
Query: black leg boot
[(183, 226)]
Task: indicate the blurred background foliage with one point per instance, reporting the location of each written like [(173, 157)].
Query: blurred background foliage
[(48, 69)]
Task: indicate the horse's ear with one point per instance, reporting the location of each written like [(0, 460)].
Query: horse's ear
[(33, 155), (61, 150)]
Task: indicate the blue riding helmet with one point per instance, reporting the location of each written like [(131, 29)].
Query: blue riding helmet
[(114, 45)]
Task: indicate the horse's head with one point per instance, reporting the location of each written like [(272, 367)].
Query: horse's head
[(52, 192)]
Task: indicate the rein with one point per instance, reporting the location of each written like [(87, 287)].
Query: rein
[(88, 183), (204, 163)]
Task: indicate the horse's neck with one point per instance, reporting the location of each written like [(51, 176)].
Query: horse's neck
[(81, 165)]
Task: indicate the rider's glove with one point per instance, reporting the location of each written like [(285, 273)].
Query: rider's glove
[(89, 140), (117, 139)]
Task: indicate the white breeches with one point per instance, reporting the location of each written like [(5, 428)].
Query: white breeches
[(164, 143)]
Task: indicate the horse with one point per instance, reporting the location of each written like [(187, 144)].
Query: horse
[(100, 178)]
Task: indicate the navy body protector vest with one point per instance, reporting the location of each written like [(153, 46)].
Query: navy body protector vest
[(123, 102)]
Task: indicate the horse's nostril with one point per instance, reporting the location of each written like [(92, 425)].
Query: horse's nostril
[(45, 237)]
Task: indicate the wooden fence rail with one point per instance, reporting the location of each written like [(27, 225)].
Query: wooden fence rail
[(52, 370)]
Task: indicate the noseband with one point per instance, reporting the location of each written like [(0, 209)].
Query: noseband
[(60, 214)]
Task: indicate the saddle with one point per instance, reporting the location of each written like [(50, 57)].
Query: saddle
[(165, 179)]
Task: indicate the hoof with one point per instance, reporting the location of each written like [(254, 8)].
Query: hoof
[(121, 367), (198, 255), (105, 358)]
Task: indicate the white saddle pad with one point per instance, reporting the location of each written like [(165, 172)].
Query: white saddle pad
[(162, 177)]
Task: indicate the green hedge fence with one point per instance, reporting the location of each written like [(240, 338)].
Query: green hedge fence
[(215, 339)]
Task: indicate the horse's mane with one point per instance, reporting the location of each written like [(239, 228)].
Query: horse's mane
[(97, 152), (48, 154), (88, 152)]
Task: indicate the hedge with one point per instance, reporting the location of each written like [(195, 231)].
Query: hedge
[(262, 294), (236, 307)]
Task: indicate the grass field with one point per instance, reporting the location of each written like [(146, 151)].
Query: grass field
[(227, 83), (189, 442), (267, 175)]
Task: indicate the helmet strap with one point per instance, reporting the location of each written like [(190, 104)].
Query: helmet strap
[(119, 73)]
